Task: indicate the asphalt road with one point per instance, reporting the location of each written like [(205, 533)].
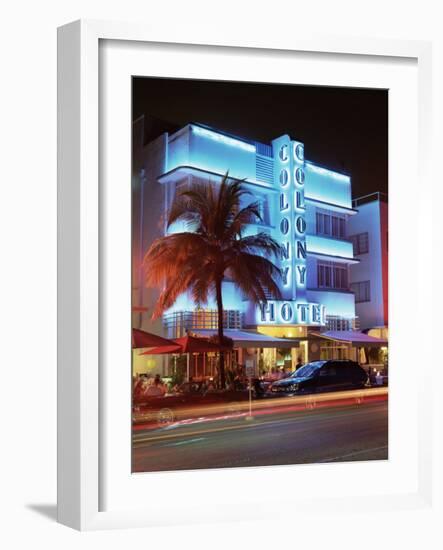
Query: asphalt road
[(328, 434)]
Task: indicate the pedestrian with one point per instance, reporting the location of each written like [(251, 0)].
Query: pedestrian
[(299, 363), (258, 388)]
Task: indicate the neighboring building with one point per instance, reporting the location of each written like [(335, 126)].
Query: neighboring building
[(368, 231), (306, 207)]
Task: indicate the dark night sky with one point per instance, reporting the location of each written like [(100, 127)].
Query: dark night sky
[(342, 128)]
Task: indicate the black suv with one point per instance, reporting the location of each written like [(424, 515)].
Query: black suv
[(322, 376)]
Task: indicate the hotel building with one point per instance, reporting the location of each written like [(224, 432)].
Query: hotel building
[(305, 206)]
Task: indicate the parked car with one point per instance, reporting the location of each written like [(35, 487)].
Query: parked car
[(322, 376)]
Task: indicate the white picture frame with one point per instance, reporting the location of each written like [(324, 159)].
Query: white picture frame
[(80, 413)]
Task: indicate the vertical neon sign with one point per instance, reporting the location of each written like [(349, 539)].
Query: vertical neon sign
[(289, 161), (290, 230), (298, 155), (283, 175)]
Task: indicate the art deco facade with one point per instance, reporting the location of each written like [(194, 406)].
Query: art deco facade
[(306, 207)]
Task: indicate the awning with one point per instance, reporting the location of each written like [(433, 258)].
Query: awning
[(163, 350), (191, 344), (142, 339), (186, 344), (251, 339), (354, 337)]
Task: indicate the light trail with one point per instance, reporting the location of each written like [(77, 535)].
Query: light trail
[(229, 411), (157, 437)]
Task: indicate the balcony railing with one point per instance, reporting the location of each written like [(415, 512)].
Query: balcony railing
[(377, 196)]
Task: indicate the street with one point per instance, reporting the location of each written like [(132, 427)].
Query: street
[(329, 432)]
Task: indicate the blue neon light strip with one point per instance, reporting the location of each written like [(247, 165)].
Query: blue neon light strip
[(330, 247), (209, 171), (223, 139), (328, 173)]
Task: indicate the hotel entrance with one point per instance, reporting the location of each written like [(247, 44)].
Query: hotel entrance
[(336, 350)]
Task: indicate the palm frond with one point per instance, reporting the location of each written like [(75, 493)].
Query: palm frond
[(256, 276), (195, 261), (171, 254), (247, 215), (262, 243)]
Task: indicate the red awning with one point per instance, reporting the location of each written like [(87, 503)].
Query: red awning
[(192, 344), (186, 344), (161, 350), (142, 339)]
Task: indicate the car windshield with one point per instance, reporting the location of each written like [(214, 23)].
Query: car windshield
[(307, 370)]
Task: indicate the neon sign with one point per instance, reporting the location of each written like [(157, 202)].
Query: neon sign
[(300, 220), (283, 152), (291, 226), (283, 176), (290, 312), (289, 174)]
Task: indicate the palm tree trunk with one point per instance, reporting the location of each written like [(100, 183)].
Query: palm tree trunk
[(219, 298)]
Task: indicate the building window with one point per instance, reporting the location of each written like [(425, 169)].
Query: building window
[(335, 226), (334, 322), (332, 275), (340, 277), (324, 276), (362, 291), (319, 223), (342, 227), (360, 243), (327, 224)]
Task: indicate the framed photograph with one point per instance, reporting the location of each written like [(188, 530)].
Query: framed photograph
[(234, 341)]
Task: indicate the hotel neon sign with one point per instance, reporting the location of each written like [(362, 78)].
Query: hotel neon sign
[(289, 160), (291, 312), (289, 175)]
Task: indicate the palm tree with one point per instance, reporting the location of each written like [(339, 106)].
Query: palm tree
[(214, 248)]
